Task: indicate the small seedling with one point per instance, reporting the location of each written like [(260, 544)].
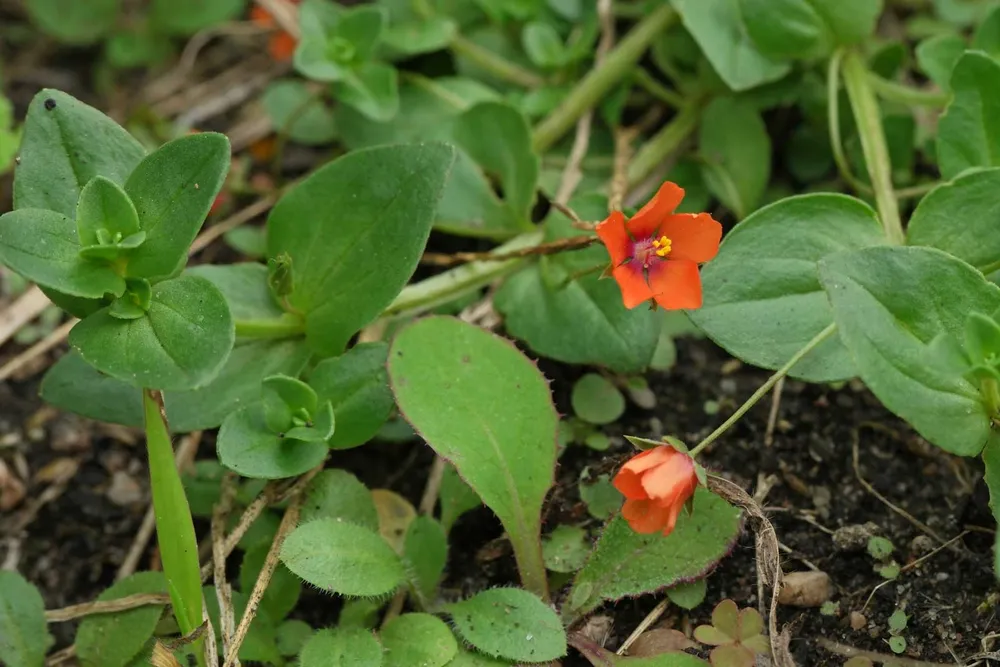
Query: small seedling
[(897, 624), (830, 608), (881, 550), (736, 635)]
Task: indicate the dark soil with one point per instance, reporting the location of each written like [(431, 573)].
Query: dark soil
[(74, 545)]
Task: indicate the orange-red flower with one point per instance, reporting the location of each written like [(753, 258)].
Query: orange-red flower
[(281, 45), (656, 484), (655, 254)]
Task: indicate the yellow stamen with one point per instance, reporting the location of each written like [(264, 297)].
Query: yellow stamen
[(662, 245)]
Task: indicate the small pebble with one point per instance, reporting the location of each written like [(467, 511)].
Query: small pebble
[(805, 589), (854, 538), (921, 545), (857, 620), (124, 490)]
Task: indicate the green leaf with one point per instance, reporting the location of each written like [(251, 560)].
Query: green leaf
[(889, 304), (510, 623), (355, 230), (418, 36), (763, 298), (113, 640), (137, 46), (736, 150), (991, 459), (281, 594), (292, 636), (566, 549), (244, 286), (10, 136), (248, 446), (688, 595), (285, 397), (456, 498), (466, 658), (787, 29), (460, 387), (186, 17), (937, 56), (625, 563), (24, 637), (372, 89), (716, 26), (498, 138), (65, 144), (596, 400), (72, 22), (181, 343), (341, 647), (43, 246), (599, 495), (417, 639), (543, 45), (969, 129), (343, 558), (425, 549), (104, 206), (73, 384), (987, 35), (959, 217), (357, 385), (260, 644), (299, 112), (337, 494), (173, 190)]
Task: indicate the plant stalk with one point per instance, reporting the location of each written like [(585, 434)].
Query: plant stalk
[(907, 95), (530, 565), (869, 122), (764, 388), (496, 65), (174, 526), (657, 148), (288, 325), (596, 84)]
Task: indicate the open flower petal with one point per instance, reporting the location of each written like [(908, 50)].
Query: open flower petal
[(693, 236), (614, 237), (632, 282), (656, 484), (645, 223), (671, 479), (676, 284)]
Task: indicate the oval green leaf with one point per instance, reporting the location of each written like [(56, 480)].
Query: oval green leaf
[(173, 189), (763, 298), (113, 640), (418, 639), (343, 558), (357, 385), (510, 623), (24, 636), (596, 400), (337, 494), (341, 647), (246, 445), (355, 230), (969, 131), (425, 549), (889, 304)]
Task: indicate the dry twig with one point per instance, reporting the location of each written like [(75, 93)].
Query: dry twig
[(106, 607), (27, 307), (223, 591), (561, 245)]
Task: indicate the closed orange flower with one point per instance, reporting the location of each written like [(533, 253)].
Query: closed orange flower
[(655, 254), (656, 484), (281, 45)]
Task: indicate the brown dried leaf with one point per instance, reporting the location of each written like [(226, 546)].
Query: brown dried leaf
[(663, 640)]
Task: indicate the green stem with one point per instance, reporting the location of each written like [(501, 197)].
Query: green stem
[(530, 565), (657, 89), (907, 95), (448, 286), (174, 526), (662, 144), (610, 73), (869, 122), (991, 393), (496, 65), (764, 388), (833, 118), (288, 325)]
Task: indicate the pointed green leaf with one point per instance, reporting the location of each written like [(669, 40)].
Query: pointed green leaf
[(285, 397), (245, 287), (343, 558), (373, 89), (182, 342), (937, 56), (361, 221), (65, 144), (969, 129), (104, 205), (462, 387), (763, 298), (959, 217), (248, 446), (173, 189), (498, 138), (341, 647), (510, 623), (24, 637), (357, 385), (113, 640), (42, 246), (73, 384), (417, 639), (889, 304), (625, 563)]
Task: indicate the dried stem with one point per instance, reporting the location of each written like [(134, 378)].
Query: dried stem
[(562, 245), (223, 591), (106, 607)]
